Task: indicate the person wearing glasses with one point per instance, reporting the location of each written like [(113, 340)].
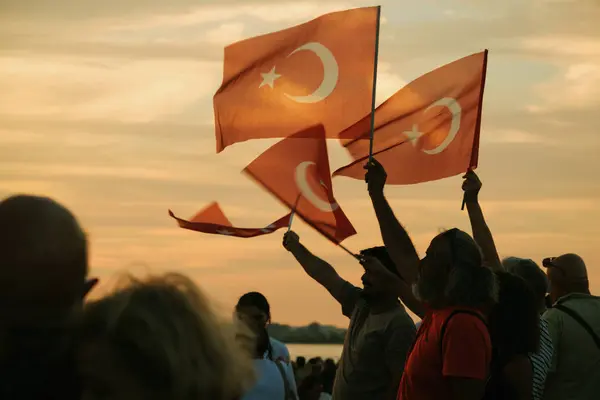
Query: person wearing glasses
[(574, 322), (452, 353)]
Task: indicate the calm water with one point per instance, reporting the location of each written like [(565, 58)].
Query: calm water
[(315, 350)]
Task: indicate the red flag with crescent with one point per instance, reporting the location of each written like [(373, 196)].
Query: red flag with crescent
[(428, 130), (319, 72), (296, 171), (211, 219)]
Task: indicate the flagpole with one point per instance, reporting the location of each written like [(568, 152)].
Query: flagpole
[(475, 148), (293, 212), (374, 93), (341, 246)]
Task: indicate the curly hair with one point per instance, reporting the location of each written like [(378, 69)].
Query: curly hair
[(531, 272), (165, 331), (460, 279), (514, 320)]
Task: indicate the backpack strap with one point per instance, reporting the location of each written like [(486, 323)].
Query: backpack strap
[(573, 314), (445, 324), (286, 384)]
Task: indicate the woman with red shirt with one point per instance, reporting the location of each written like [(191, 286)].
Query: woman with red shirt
[(452, 293)]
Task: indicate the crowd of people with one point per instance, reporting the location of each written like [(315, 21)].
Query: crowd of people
[(490, 328)]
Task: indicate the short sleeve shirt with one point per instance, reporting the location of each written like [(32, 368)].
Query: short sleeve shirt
[(375, 350), (466, 352)]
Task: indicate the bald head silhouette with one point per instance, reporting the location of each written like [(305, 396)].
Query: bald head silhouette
[(43, 253), (567, 274)]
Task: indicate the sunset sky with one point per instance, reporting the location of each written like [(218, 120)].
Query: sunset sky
[(106, 106)]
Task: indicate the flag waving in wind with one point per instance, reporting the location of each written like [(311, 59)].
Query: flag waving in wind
[(428, 130), (296, 171), (212, 220), (320, 72)]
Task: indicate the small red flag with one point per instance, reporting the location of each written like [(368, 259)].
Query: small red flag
[(428, 130), (212, 220), (296, 171), (319, 72)]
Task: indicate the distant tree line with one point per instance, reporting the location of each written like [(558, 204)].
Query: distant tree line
[(314, 333)]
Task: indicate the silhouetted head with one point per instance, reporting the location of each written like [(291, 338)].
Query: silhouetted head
[(567, 274), (371, 288), (452, 273), (253, 306), (159, 338), (310, 388), (514, 319), (532, 274), (254, 310), (43, 266)]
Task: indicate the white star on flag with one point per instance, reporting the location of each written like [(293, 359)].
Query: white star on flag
[(414, 134), (269, 78)]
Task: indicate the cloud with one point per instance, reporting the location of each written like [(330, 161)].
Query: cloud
[(107, 107), (578, 86), (226, 34), (73, 88), (388, 82), (513, 136)]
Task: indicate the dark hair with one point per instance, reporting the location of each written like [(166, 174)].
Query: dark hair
[(255, 299), (308, 384), (469, 282), (328, 375), (300, 362), (530, 271), (258, 300), (263, 343), (381, 254), (464, 250), (514, 320)]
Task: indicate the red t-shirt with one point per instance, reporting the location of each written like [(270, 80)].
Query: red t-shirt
[(466, 353)]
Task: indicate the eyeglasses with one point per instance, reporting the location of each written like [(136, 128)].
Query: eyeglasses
[(549, 263)]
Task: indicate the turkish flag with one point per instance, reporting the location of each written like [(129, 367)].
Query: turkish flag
[(320, 72), (296, 171), (212, 220), (428, 130)]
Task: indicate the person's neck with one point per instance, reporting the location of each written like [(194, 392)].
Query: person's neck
[(379, 306)]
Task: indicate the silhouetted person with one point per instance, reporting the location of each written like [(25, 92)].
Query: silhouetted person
[(43, 268), (515, 333), (574, 322), (380, 332), (525, 268), (452, 353), (159, 338)]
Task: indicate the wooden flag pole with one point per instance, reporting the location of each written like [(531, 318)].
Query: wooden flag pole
[(374, 93)]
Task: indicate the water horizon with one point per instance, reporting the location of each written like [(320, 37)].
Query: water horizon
[(309, 351)]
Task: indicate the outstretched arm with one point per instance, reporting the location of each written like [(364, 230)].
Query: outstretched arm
[(397, 285), (317, 268), (481, 232), (396, 239)]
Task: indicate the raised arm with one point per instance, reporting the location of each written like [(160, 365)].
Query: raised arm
[(396, 239), (481, 231), (315, 267), (386, 278)]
